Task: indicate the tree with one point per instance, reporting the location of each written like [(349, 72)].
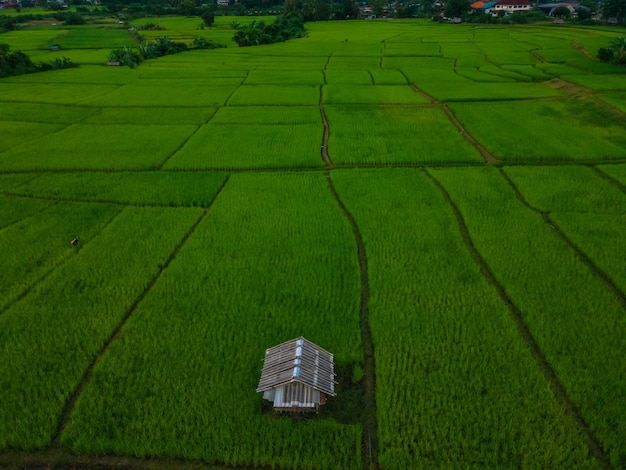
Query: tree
[(561, 12), (616, 9), (457, 7), (208, 17)]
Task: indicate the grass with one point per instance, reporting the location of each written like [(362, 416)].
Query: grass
[(255, 280), (576, 320), (226, 146), (110, 147), (380, 135), (455, 383), (379, 94), (140, 188), (589, 132)]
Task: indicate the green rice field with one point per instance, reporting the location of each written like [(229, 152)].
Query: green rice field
[(443, 207)]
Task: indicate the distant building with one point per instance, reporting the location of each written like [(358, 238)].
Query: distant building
[(511, 6), (297, 376)]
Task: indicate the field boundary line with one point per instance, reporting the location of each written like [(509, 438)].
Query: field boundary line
[(71, 402), (487, 157), (518, 318), (595, 269), (177, 149), (370, 436), (26, 217), (326, 133), (605, 176), (46, 274), (58, 200)]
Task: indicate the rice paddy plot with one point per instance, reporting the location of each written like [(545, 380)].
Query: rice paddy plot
[(585, 131), (141, 188), (98, 147), (378, 94), (83, 75), (387, 77), (153, 70), (15, 133), (412, 49), (455, 383), (590, 211), (88, 37), (152, 93), (50, 337), (574, 317), (13, 113), (618, 100), (14, 209), (51, 93), (398, 134), (217, 146), (274, 259), (275, 95), (267, 115), (618, 172), (597, 82), (530, 71), (151, 115), (29, 40), (34, 246), (504, 73), (479, 75), (355, 77), (285, 77)]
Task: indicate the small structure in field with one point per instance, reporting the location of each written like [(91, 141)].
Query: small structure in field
[(297, 376)]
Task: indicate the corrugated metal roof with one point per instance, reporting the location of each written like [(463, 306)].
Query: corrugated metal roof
[(298, 361)]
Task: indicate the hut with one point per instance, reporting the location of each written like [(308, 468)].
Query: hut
[(297, 376)]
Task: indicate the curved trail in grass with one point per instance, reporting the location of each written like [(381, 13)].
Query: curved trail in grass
[(605, 176), (370, 436), (69, 406), (555, 384), (487, 157)]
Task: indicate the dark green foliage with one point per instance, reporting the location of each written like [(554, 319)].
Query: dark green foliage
[(615, 53), (162, 46), (208, 17), (150, 27), (288, 26), (561, 12), (8, 23), (203, 43), (70, 18), (18, 63), (14, 63), (456, 7)]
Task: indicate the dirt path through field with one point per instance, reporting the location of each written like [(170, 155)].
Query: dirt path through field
[(518, 318), (370, 431), (487, 157), (71, 402)]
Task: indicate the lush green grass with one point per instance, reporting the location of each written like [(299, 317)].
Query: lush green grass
[(14, 115), (88, 37), (275, 95), (183, 189), (380, 135), (590, 210), (379, 94), (617, 100), (225, 146), (49, 93), (616, 171), (245, 115), (274, 259), (56, 331), (455, 384), (16, 133), (151, 115), (109, 147), (574, 317), (14, 209), (544, 131), (34, 246)]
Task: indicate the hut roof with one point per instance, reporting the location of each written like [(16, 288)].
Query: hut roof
[(298, 361)]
